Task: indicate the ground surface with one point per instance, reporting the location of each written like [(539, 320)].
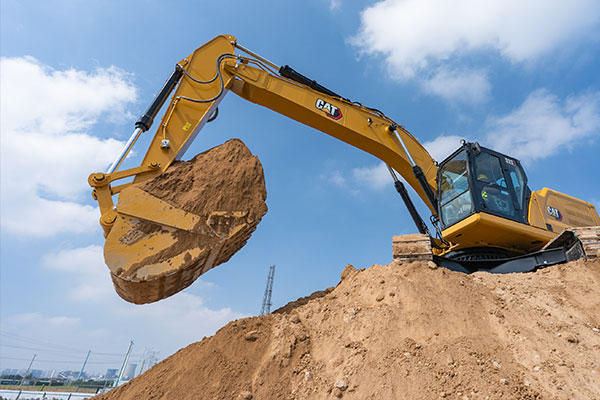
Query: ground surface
[(408, 331)]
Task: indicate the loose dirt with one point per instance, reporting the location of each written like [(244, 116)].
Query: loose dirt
[(403, 331), (222, 190)]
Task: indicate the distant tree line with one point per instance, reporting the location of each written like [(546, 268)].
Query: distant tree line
[(15, 379)]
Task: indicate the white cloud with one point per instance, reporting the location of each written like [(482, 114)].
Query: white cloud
[(61, 101), (460, 86), (335, 177), (420, 39), (71, 260), (334, 4), (40, 320), (442, 146), (544, 125), (375, 177), (166, 326), (185, 317), (47, 151), (59, 342), (86, 270)]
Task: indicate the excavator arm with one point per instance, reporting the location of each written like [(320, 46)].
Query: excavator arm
[(200, 81), (357, 125)]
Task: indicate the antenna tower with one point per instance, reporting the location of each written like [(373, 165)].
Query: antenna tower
[(266, 304)]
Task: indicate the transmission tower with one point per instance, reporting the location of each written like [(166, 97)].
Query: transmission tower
[(266, 304)]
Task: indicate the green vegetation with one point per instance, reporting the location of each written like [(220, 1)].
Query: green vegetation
[(84, 388)]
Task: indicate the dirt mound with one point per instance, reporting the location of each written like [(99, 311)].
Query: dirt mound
[(198, 214), (403, 331)]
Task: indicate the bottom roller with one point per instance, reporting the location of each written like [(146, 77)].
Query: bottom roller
[(175, 227)]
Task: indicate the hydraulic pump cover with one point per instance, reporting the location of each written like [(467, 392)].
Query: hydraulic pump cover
[(173, 228)]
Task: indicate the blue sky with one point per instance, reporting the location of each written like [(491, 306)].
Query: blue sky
[(518, 76)]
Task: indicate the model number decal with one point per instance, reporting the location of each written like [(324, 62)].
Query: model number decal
[(553, 212), (330, 110)]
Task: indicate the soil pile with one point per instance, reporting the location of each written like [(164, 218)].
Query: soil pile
[(403, 331), (202, 211)]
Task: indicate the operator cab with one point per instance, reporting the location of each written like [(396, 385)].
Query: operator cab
[(483, 205), (475, 179)]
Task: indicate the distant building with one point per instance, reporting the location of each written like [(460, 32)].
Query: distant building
[(10, 371), (69, 374), (129, 371), (36, 373), (111, 373)]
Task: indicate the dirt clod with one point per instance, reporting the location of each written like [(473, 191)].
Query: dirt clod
[(347, 271), (251, 336), (341, 384)]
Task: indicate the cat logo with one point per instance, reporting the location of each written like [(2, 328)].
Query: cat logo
[(330, 110), (553, 212)]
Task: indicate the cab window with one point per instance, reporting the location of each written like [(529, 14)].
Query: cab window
[(489, 169), (455, 198), (518, 182), (492, 187)]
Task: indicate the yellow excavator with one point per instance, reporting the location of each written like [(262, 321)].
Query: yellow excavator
[(484, 214)]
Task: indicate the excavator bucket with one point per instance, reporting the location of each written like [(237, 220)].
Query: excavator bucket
[(175, 227)]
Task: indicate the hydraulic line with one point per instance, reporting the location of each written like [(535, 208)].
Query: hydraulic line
[(218, 74), (258, 57)]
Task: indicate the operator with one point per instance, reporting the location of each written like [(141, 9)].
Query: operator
[(488, 193), (491, 193), (485, 174)]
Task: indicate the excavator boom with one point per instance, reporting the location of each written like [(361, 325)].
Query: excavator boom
[(213, 69)]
